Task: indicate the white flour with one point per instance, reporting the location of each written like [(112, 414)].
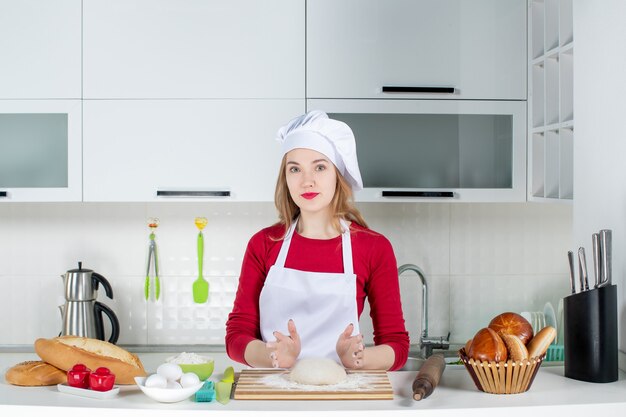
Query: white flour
[(188, 359), (353, 382)]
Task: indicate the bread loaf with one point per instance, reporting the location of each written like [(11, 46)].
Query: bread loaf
[(517, 349), (512, 323), (487, 346), (34, 374), (66, 351), (539, 344)]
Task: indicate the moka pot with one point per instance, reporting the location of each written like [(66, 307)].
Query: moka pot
[(82, 314)]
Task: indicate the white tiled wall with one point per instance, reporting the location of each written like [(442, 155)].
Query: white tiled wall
[(479, 260)]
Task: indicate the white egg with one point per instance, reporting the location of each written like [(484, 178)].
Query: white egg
[(156, 381), (189, 380), (170, 371), (173, 385)]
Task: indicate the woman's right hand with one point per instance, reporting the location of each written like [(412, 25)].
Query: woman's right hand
[(285, 350)]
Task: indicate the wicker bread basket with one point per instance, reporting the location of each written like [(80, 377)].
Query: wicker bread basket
[(510, 377)]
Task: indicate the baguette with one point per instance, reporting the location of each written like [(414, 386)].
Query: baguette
[(539, 344), (66, 351), (34, 374)]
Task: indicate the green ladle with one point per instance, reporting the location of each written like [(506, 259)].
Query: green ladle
[(200, 285)]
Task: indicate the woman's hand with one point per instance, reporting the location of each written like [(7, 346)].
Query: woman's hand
[(285, 350), (350, 348)]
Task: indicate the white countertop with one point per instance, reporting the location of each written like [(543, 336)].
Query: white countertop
[(550, 393)]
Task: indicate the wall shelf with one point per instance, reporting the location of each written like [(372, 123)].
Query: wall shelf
[(550, 101)]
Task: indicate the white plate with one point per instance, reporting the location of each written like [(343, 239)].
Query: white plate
[(559, 322), (548, 312), (165, 395), (100, 395)]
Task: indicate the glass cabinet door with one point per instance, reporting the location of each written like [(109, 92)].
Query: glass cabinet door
[(416, 149), (40, 156)]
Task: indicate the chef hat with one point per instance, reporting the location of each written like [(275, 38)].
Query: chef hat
[(315, 130)]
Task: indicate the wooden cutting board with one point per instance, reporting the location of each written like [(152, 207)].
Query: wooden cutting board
[(271, 384)]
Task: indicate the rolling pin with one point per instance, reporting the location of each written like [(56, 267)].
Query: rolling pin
[(428, 376)]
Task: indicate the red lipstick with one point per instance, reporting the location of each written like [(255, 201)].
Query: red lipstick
[(309, 196)]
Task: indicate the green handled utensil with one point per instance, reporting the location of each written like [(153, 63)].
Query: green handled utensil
[(153, 223), (200, 285)]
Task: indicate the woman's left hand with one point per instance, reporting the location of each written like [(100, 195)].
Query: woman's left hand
[(350, 349)]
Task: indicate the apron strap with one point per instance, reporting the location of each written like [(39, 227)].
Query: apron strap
[(346, 247)]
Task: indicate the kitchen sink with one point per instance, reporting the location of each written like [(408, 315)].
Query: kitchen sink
[(414, 362)]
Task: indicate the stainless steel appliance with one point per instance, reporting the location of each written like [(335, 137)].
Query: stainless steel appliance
[(81, 313)]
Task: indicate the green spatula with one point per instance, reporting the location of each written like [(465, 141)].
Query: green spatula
[(200, 285)]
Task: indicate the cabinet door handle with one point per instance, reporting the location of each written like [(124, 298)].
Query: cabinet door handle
[(404, 89), (3, 194), (422, 194), (194, 193)]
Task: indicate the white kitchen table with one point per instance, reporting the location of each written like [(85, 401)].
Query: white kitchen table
[(551, 394)]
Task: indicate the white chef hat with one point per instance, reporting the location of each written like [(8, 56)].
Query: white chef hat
[(315, 130)]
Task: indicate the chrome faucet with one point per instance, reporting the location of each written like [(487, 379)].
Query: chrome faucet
[(427, 344)]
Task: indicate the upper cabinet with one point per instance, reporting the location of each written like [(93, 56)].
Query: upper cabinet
[(40, 150), (551, 101), (174, 150), (193, 49), (446, 49), (40, 49)]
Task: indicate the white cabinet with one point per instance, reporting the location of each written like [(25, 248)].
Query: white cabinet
[(194, 49), (357, 47), (436, 150), (40, 49), (170, 150), (40, 150), (551, 101)]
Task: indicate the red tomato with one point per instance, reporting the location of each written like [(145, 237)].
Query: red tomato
[(78, 376)]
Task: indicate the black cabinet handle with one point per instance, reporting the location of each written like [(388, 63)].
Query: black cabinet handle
[(422, 194), (202, 193), (3, 194), (401, 89)]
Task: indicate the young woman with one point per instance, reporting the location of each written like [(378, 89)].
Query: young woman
[(304, 280)]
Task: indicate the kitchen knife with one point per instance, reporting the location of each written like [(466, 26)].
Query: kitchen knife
[(572, 279), (597, 266), (582, 266), (606, 256)]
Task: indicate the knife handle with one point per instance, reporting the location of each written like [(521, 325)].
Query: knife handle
[(582, 269), (572, 273), (605, 249), (597, 266)]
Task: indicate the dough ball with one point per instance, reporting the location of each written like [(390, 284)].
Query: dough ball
[(317, 371)]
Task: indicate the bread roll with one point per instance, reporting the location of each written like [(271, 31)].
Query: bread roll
[(539, 344), (515, 346), (34, 374), (66, 351), (512, 323), (467, 346), (487, 346)]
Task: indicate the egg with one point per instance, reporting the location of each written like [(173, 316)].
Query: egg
[(156, 381), (170, 371), (189, 380), (173, 385)]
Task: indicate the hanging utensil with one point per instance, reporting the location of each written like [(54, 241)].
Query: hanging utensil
[(153, 223), (200, 285), (597, 265), (572, 279), (582, 269), (606, 257)]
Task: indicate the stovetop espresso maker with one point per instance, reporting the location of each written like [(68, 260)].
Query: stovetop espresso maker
[(81, 313)]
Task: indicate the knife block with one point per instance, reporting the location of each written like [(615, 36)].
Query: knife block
[(590, 335)]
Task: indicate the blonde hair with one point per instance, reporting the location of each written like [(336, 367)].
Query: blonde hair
[(341, 206)]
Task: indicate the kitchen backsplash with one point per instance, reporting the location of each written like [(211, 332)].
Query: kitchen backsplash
[(479, 260)]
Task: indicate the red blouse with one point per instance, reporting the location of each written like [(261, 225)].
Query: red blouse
[(377, 279)]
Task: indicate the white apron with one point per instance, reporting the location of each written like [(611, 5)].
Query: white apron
[(321, 304)]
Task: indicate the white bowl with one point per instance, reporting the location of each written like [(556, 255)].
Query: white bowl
[(165, 395)]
